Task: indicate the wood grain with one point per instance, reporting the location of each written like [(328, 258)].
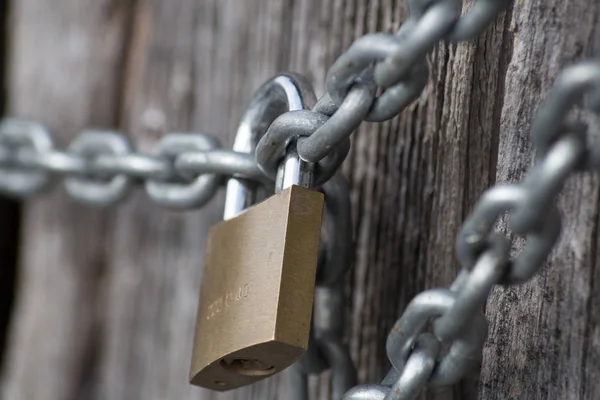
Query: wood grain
[(64, 63), (107, 301), (545, 335)]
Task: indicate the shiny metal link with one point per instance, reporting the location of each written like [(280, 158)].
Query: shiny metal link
[(334, 130), (223, 162), (55, 162), (547, 179), (472, 288), (551, 119), (409, 384), (183, 195), (418, 370), (278, 95), (97, 190), (283, 130), (457, 313), (134, 165), (495, 202), (400, 70), (465, 351), (353, 66), (429, 22), (15, 136), (367, 392), (101, 167)]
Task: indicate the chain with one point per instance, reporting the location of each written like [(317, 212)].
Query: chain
[(394, 66), (100, 167), (184, 170), (374, 80), (457, 312)]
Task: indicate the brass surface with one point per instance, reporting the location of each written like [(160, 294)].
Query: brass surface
[(257, 291)]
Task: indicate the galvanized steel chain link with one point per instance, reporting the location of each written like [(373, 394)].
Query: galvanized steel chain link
[(185, 171), (100, 167), (395, 64), (457, 313)]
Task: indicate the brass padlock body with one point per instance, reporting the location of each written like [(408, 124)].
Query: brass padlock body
[(257, 291)]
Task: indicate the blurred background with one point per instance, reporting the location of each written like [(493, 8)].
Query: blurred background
[(101, 303)]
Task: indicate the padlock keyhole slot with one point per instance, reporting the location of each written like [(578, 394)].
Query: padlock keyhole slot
[(246, 366)]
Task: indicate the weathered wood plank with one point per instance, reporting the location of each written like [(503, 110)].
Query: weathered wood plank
[(64, 66), (545, 336), (123, 318), (439, 135)]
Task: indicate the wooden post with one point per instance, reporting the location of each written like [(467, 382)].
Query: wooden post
[(545, 335), (107, 299)]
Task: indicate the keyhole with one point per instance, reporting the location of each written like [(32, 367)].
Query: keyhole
[(245, 366)]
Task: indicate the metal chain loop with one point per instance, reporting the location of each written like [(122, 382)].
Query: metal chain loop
[(291, 125), (429, 22), (183, 195), (474, 233), (100, 167), (17, 136), (353, 65), (334, 130), (98, 190), (186, 170), (485, 256), (400, 70), (546, 180), (465, 350), (221, 161), (408, 385), (54, 162), (139, 166), (472, 288), (419, 368)]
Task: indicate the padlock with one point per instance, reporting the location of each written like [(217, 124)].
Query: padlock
[(258, 282)]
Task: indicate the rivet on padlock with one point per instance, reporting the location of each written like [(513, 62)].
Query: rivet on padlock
[(258, 281)]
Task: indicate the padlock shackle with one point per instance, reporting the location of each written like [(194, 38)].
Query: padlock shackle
[(293, 170), (284, 92)]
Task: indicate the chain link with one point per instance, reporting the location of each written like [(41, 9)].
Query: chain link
[(400, 71), (396, 67), (375, 79), (17, 179), (100, 168), (457, 312)]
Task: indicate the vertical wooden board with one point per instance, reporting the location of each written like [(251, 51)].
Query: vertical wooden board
[(121, 297), (63, 68), (413, 178), (192, 67), (545, 335), (424, 168)]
